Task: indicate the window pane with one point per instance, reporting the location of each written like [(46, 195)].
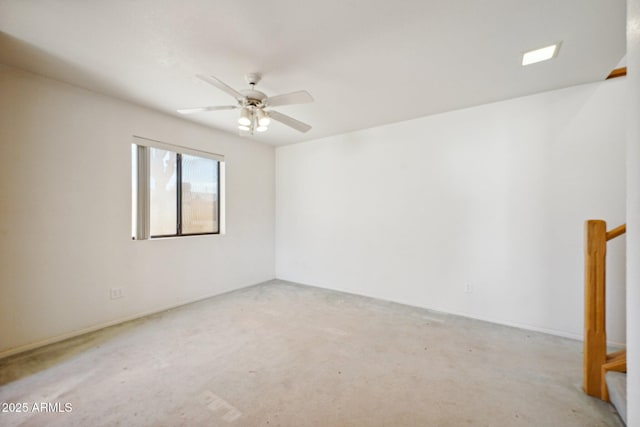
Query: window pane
[(163, 193), (199, 195)]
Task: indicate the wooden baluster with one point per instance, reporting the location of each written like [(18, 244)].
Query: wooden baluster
[(595, 336)]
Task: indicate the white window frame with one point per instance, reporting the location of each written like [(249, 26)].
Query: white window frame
[(140, 184)]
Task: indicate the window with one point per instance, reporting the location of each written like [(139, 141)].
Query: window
[(175, 191)]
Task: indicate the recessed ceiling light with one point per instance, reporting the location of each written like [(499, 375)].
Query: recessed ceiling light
[(539, 55)]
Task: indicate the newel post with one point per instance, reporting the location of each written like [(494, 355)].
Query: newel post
[(595, 336)]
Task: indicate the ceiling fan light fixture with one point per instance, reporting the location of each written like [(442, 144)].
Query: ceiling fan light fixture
[(245, 117), (263, 119), (252, 103)]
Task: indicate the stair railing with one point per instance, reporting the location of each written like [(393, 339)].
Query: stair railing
[(596, 361)]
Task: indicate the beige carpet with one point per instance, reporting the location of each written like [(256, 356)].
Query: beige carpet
[(280, 354)]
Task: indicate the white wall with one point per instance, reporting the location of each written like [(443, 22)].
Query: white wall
[(65, 215), (493, 196), (633, 213)]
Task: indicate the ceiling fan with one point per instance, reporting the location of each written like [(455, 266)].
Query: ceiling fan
[(253, 104)]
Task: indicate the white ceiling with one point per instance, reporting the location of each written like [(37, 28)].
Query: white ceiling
[(366, 63)]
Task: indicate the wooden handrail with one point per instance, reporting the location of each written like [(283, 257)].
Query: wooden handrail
[(596, 362), (618, 231), (618, 72)]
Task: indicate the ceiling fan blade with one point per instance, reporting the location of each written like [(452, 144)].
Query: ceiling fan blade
[(289, 121), (221, 85), (200, 109), (299, 97)]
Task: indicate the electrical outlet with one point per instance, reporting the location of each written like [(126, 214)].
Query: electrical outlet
[(116, 293), (468, 288)]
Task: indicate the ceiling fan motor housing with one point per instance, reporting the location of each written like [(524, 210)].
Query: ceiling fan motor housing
[(253, 97)]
